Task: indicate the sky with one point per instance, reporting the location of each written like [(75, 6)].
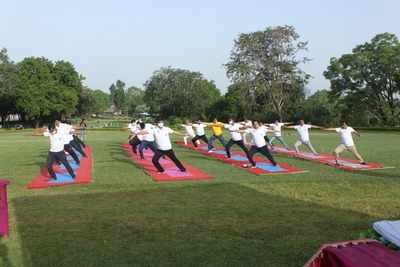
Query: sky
[(129, 40)]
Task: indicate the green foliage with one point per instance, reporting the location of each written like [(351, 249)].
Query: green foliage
[(135, 100), (180, 93), (320, 109), (7, 86), (266, 65), (92, 102), (118, 97), (367, 81)]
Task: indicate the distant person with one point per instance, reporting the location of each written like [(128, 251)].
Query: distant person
[(188, 126), (236, 138), (303, 136), (148, 140), (56, 152), (216, 128), (347, 142), (277, 133), (134, 139), (82, 129), (199, 133)]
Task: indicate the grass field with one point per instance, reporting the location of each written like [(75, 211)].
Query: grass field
[(237, 219)]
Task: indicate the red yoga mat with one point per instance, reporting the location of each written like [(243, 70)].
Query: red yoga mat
[(172, 173)]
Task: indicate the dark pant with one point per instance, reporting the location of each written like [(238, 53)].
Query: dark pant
[(241, 145), (170, 154), (79, 141), (77, 147), (266, 139), (134, 142), (54, 157), (70, 151), (147, 144), (199, 137), (264, 151), (213, 138)]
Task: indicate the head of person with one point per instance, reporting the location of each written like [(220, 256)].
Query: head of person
[(52, 127), (56, 123), (160, 124), (215, 120), (231, 121), (301, 122), (343, 125), (256, 124), (132, 121), (276, 121), (187, 122), (142, 125), (82, 120)]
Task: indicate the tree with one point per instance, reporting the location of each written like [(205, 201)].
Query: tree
[(92, 101), (179, 93), (43, 91), (7, 86), (370, 78), (101, 101), (117, 92), (267, 62), (134, 98), (320, 109)]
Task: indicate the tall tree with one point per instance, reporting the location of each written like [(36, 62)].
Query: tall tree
[(179, 93), (268, 62), (134, 98), (117, 92), (92, 102), (370, 76), (7, 86)]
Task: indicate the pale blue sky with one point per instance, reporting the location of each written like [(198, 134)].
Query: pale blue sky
[(128, 40)]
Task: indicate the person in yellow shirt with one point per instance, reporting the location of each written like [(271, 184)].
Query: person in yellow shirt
[(216, 128)]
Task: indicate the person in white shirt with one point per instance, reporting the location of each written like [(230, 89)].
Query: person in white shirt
[(246, 135), (188, 126), (134, 139), (277, 133), (303, 136), (56, 151), (148, 140), (236, 138), (77, 145), (161, 134), (200, 133), (259, 145), (65, 131), (347, 142)]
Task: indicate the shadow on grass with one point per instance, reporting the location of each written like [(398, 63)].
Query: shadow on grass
[(207, 225)]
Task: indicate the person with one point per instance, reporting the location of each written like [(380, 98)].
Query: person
[(164, 146), (148, 139), (236, 138), (189, 132), (69, 131), (259, 145), (134, 139), (199, 133), (82, 130), (303, 136), (216, 128), (277, 133), (246, 136), (65, 131), (56, 152), (347, 143)]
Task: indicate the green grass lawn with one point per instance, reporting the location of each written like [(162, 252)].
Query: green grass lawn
[(238, 219)]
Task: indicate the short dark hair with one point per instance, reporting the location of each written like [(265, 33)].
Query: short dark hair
[(142, 125)]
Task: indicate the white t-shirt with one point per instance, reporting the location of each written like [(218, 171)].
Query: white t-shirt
[(277, 129), (162, 138), (345, 136), (188, 129), (65, 130), (56, 141), (199, 128), (257, 136), (150, 135), (132, 127), (302, 132), (234, 131)]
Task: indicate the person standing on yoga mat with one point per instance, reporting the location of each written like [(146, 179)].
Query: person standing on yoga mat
[(246, 136), (133, 138), (188, 126), (68, 130), (148, 139), (259, 145), (200, 133), (62, 130), (347, 142), (277, 133), (56, 151), (216, 128), (236, 138), (303, 136)]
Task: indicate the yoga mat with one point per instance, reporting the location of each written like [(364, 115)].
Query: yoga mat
[(172, 173), (238, 159), (83, 173), (327, 159)]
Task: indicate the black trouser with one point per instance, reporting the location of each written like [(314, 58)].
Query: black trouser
[(266, 139), (241, 145), (264, 151), (79, 141), (199, 137), (77, 147), (169, 153), (134, 142), (58, 157), (147, 144), (70, 151)]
